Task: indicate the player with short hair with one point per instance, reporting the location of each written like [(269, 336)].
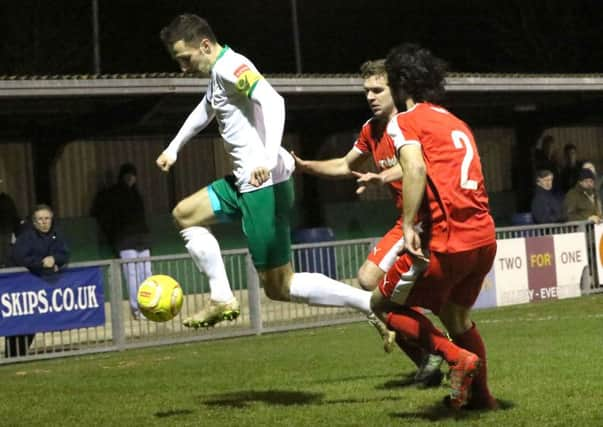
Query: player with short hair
[(250, 116), (444, 189), (374, 141)]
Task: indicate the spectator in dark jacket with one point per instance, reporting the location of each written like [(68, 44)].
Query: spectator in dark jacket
[(546, 206), (120, 213), (546, 157), (582, 202), (9, 224), (39, 246), (571, 168)]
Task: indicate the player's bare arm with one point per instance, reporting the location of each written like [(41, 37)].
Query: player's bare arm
[(324, 168), (340, 167), (379, 179), (415, 178)]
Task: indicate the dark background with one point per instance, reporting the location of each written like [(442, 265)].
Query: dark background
[(55, 37), (43, 37)]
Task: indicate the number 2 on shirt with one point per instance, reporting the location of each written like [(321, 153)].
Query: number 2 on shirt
[(461, 140)]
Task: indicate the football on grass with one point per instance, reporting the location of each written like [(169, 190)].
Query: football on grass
[(160, 298)]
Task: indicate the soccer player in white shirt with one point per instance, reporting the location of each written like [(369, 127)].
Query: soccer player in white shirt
[(250, 116)]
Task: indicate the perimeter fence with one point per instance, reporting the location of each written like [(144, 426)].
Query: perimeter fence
[(337, 259)]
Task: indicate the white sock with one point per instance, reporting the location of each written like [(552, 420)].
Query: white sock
[(318, 289), (205, 251)]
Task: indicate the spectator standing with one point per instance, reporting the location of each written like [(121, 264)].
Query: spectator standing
[(546, 206), (9, 224), (571, 168), (546, 156), (582, 202), (41, 248), (120, 213)]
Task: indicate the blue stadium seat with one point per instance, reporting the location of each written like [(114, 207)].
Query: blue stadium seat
[(522, 218), (312, 235), (315, 260)]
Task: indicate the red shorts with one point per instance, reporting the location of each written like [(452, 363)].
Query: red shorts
[(385, 252), (450, 277)]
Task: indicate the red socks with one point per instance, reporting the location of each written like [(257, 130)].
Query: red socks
[(411, 348), (416, 327), (471, 340)]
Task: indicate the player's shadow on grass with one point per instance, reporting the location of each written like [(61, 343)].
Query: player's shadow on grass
[(438, 411), (407, 380), (173, 413), (352, 378), (241, 399)]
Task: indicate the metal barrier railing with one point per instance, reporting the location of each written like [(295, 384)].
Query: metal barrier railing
[(542, 229), (337, 259)]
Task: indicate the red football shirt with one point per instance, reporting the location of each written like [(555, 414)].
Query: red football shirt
[(374, 139), (457, 197)]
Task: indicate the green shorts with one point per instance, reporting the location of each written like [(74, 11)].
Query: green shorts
[(265, 217)]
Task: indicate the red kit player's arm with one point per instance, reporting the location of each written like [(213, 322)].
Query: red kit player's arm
[(415, 178)]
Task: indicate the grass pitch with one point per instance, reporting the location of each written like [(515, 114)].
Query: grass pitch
[(544, 359)]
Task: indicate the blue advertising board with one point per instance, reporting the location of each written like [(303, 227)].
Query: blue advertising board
[(71, 299)]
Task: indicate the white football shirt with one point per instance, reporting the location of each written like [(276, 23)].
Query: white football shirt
[(232, 82)]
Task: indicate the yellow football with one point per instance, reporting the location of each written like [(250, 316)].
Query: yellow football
[(160, 298)]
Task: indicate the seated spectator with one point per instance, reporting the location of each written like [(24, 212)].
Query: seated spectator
[(42, 250), (39, 246), (582, 201), (591, 166), (598, 181), (120, 213), (546, 207)]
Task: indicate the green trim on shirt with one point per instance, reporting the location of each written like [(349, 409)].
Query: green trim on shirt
[(221, 54), (252, 88)]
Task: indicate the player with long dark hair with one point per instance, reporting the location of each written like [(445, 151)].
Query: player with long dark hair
[(444, 190)]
